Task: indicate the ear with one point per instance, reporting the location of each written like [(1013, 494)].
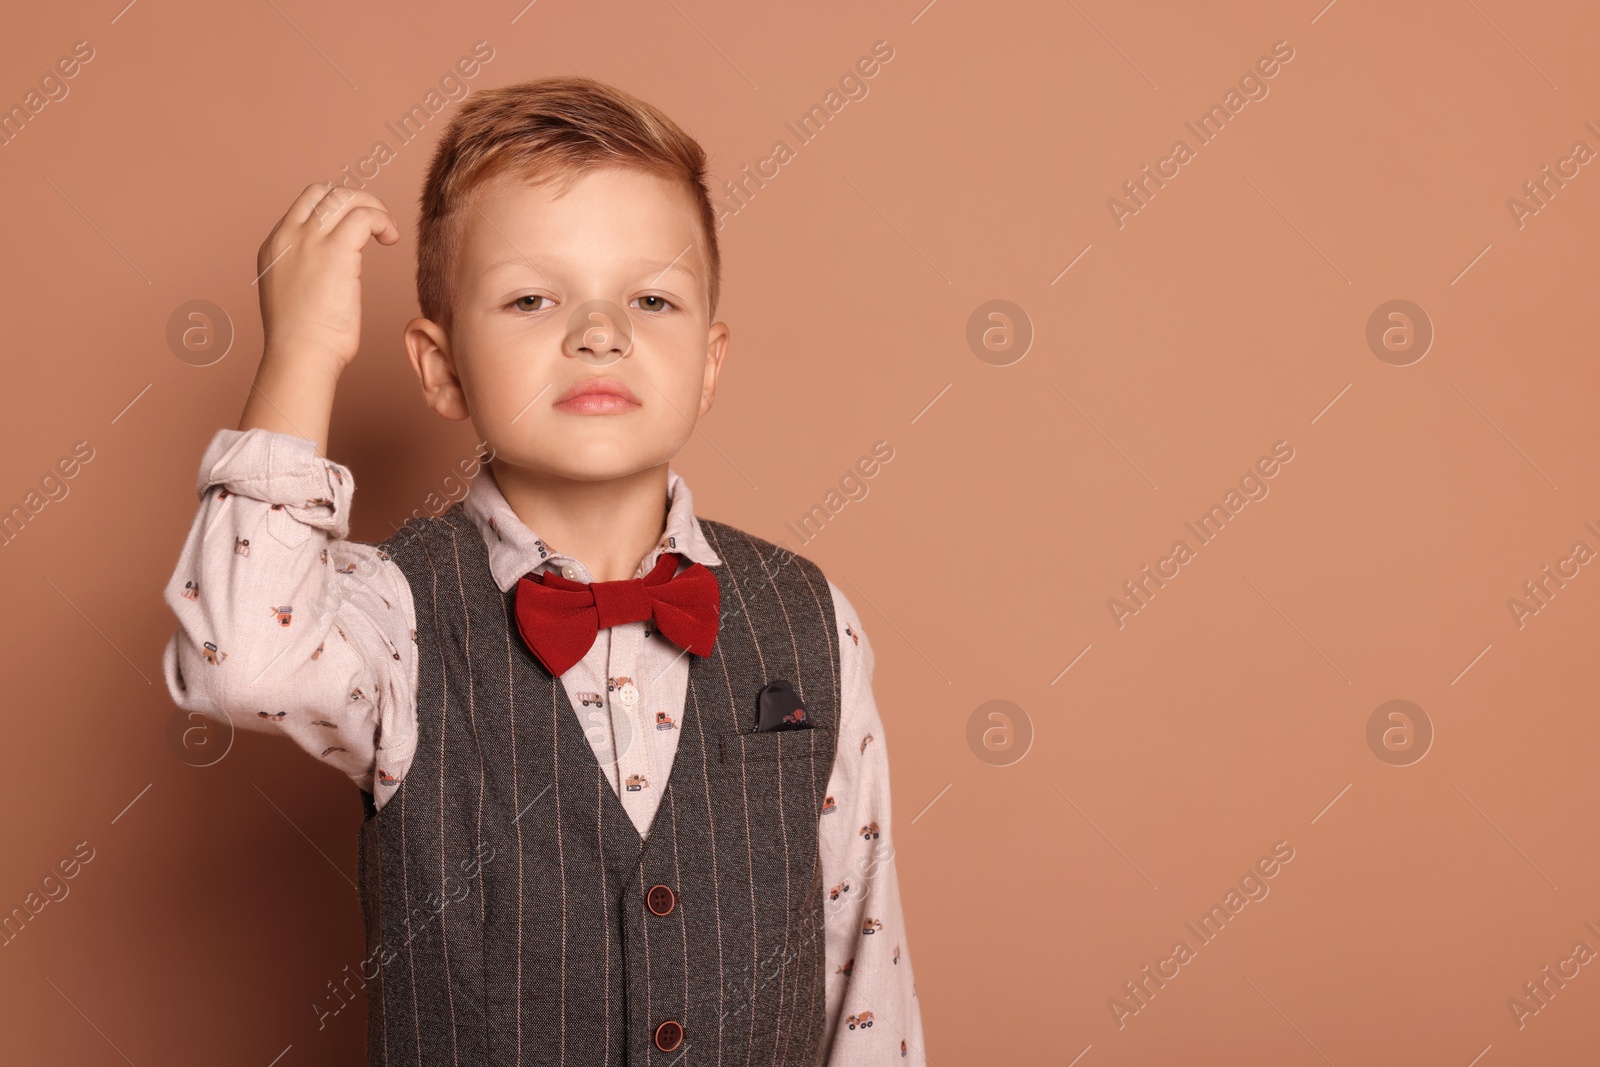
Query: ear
[(716, 351), (428, 347)]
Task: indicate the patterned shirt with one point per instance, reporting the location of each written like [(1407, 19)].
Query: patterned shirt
[(268, 547)]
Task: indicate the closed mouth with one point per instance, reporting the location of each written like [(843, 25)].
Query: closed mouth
[(598, 384)]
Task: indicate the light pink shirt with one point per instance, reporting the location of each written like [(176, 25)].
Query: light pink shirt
[(341, 682)]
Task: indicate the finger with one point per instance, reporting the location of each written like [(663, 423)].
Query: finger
[(362, 222), (392, 234), (337, 200), (308, 199), (389, 234), (299, 210)]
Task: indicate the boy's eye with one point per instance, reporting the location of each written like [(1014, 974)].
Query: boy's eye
[(518, 302), (661, 303)]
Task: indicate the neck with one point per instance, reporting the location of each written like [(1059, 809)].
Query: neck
[(610, 525)]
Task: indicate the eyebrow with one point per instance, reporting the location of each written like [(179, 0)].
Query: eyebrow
[(662, 268), (642, 262)]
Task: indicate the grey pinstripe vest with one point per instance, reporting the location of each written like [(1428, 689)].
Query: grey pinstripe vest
[(504, 887)]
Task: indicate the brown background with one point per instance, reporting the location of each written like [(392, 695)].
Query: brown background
[(1223, 317)]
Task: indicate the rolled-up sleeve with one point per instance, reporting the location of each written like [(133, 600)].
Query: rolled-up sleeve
[(873, 1016), (283, 624)]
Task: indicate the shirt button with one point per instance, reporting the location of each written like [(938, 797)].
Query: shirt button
[(669, 1035), (660, 899), (628, 695), (569, 572)]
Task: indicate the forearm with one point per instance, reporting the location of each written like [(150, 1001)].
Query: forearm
[(294, 396)]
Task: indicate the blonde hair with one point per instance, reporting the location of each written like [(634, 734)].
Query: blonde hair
[(539, 130)]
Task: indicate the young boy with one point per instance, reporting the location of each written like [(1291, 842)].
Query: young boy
[(625, 782)]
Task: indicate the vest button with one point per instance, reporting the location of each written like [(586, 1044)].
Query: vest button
[(669, 1035), (660, 899)]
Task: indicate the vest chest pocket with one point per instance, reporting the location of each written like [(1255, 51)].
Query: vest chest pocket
[(738, 748)]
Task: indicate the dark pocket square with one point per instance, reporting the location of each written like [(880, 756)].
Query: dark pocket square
[(778, 708)]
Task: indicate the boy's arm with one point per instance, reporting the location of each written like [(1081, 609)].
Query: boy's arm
[(283, 625), (860, 865)]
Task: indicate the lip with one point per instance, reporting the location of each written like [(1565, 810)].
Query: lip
[(597, 394)]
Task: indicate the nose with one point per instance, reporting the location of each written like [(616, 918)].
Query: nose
[(599, 332)]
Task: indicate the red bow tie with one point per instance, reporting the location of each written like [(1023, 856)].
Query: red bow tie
[(559, 618)]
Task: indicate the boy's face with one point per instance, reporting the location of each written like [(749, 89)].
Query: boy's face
[(541, 280)]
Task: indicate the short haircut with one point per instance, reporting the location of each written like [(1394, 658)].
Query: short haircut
[(540, 130)]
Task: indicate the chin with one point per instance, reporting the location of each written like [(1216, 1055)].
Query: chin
[(598, 472), (569, 452), (577, 463)]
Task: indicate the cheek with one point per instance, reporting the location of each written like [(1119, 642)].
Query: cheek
[(672, 403), (674, 410), (497, 390), (501, 374), (674, 362)]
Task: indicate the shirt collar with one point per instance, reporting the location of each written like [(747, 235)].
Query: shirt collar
[(515, 550)]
